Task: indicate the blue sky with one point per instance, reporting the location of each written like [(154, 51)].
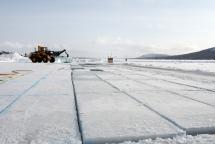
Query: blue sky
[(99, 28)]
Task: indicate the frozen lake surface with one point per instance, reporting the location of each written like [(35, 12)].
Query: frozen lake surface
[(101, 103)]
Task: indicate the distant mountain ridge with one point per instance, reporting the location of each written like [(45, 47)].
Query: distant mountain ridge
[(149, 56), (5, 52), (207, 54)]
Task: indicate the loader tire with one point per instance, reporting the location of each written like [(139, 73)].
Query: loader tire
[(39, 60), (34, 60), (52, 60), (45, 59)]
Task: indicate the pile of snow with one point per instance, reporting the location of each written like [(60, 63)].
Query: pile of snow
[(63, 59), (13, 57), (185, 139)]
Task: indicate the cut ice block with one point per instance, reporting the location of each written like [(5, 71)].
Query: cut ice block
[(192, 116), (115, 117)]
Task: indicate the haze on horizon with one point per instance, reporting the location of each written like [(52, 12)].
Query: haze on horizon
[(100, 28)]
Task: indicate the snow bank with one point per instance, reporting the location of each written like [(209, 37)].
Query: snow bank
[(199, 139), (188, 65), (13, 57)]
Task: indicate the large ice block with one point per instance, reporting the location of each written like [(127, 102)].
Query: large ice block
[(115, 117), (190, 115)]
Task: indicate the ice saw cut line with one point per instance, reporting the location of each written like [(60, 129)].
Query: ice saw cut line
[(17, 97)]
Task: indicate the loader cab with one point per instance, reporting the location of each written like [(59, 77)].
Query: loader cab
[(42, 49)]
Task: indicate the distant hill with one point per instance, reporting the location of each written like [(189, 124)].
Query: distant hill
[(152, 56), (206, 54), (4, 52)]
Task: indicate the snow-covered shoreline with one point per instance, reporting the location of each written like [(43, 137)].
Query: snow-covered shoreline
[(206, 66)]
